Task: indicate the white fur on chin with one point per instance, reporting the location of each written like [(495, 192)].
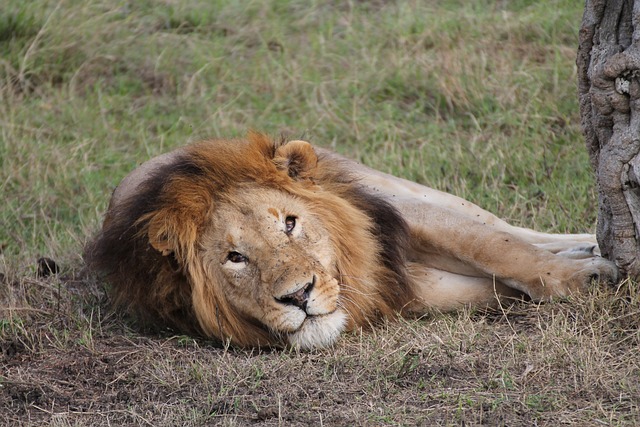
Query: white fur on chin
[(319, 331)]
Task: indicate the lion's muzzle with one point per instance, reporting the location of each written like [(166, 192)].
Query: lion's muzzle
[(300, 297)]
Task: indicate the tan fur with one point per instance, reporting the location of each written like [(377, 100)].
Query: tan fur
[(265, 243)]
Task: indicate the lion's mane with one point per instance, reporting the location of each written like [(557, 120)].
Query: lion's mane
[(149, 249)]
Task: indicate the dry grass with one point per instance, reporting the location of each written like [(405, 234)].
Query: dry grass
[(476, 98), (576, 363)]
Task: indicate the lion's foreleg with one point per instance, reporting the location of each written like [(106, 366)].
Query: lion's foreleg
[(446, 240)]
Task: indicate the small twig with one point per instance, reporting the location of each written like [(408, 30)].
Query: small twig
[(504, 313)]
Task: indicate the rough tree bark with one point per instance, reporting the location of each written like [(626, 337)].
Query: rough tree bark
[(609, 92)]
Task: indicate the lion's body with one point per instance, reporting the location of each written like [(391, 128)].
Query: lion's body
[(264, 243)]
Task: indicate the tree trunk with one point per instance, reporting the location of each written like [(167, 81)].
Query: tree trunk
[(609, 92)]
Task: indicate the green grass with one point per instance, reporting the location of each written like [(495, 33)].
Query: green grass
[(474, 98)]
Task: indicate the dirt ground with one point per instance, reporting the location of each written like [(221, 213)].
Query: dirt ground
[(68, 360)]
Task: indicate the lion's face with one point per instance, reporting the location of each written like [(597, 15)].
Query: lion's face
[(274, 260)]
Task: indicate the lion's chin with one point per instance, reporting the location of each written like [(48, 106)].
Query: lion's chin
[(318, 331)]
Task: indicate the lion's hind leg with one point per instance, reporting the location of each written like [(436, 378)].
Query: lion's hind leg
[(439, 290)]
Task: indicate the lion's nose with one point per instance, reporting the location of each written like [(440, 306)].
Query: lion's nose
[(300, 297)]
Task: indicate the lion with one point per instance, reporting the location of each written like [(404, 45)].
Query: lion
[(257, 242)]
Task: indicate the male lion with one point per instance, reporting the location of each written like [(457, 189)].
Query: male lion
[(267, 243)]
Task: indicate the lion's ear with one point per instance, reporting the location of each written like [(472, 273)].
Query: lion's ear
[(158, 237), (173, 233), (297, 158), (177, 202)]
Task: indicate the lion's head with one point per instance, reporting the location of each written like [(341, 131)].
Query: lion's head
[(258, 242)]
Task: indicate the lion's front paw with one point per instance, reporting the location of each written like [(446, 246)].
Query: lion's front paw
[(601, 270), (575, 276)]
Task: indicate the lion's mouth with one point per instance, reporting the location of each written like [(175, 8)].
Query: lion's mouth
[(318, 331)]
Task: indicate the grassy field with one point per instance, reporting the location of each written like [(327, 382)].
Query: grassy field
[(477, 98)]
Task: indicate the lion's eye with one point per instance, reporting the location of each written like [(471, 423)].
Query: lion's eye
[(289, 224), (236, 257)]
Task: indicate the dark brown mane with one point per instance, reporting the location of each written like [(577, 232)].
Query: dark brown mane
[(392, 231), (389, 229)]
